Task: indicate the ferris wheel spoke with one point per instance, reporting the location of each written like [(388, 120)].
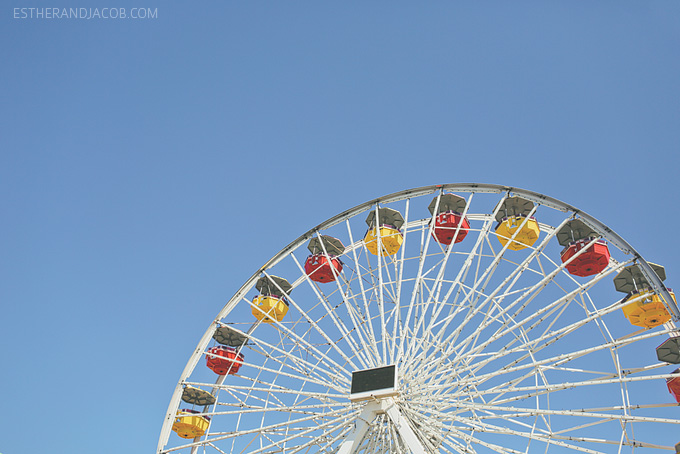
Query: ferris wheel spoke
[(560, 440), (360, 279), (314, 442), (535, 289), (251, 410), (480, 422), (548, 440), (447, 254), (302, 343), (298, 377), (396, 313), (592, 309), (573, 429), (395, 440), (551, 362), (511, 280), (353, 312), (548, 337), (481, 281), (271, 390), (505, 413), (391, 284), (212, 445), (476, 288), (312, 322), (326, 399), (525, 392), (462, 273), (258, 409), (271, 399), (346, 419), (519, 270), (532, 293), (471, 441), (424, 247), (381, 287), (337, 321), (370, 442), (537, 372), (359, 319), (315, 433), (297, 364), (397, 328), (424, 356)]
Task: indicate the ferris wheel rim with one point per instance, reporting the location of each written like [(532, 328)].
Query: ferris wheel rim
[(606, 233)]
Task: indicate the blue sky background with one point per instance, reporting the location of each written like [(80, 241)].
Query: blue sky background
[(149, 167)]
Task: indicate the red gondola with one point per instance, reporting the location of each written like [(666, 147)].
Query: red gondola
[(324, 265), (445, 226), (674, 385), (320, 269), (594, 260), (225, 361), (448, 218)]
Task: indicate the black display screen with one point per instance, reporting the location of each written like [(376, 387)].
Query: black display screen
[(373, 379)]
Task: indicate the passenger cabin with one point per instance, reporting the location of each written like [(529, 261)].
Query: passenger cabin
[(188, 424), (197, 396), (669, 351), (383, 231), (224, 360), (226, 335), (584, 252), (674, 385), (643, 307), (646, 309), (515, 227), (324, 265), (271, 304), (449, 224)]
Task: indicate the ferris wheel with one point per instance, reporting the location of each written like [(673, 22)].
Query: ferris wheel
[(460, 318)]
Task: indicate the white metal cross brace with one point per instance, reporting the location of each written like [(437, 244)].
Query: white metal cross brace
[(368, 414)]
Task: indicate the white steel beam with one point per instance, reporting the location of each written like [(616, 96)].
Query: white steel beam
[(368, 414)]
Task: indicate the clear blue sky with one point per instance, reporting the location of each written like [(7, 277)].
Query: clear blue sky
[(148, 167)]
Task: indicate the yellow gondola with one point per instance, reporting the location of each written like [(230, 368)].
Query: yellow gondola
[(647, 310), (269, 308), (526, 236), (383, 226), (390, 238), (189, 425)]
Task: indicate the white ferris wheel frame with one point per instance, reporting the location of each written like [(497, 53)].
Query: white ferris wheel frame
[(386, 406)]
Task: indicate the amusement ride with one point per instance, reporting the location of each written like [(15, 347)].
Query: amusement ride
[(457, 318)]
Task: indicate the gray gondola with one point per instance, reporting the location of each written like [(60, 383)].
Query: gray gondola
[(574, 230), (386, 216), (229, 336), (630, 279), (332, 245), (448, 202), (270, 285), (514, 206), (669, 351), (197, 396)]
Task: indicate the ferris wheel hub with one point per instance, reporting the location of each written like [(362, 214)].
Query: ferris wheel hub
[(374, 384)]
